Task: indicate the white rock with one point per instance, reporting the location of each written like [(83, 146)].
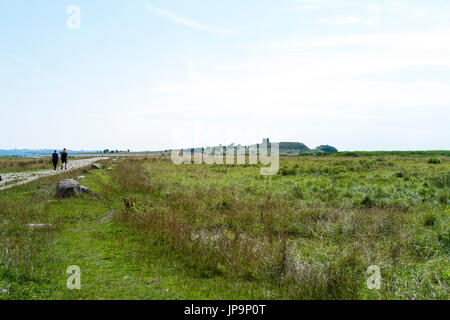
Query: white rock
[(96, 166), (69, 187), (39, 226)]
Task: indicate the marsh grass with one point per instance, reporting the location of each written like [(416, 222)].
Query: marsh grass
[(307, 239), (24, 253), (16, 164), (229, 232), (24, 164)]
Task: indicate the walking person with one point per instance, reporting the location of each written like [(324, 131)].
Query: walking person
[(64, 157), (55, 160)]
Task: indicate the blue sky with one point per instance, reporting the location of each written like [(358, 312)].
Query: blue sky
[(148, 75)]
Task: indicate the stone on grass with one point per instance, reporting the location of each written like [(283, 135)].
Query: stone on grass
[(81, 177), (39, 226), (85, 189), (69, 187), (96, 166)]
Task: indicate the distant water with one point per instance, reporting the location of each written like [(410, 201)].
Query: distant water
[(25, 153)]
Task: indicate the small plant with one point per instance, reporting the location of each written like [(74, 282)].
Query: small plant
[(368, 202), (224, 203), (285, 171), (297, 192), (132, 205), (429, 220), (444, 198), (444, 240), (442, 181), (434, 161)]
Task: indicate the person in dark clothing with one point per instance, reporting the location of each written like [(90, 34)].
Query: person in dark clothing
[(64, 156), (55, 160)]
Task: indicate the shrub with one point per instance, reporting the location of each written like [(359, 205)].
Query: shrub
[(297, 192), (429, 220), (442, 181), (444, 198), (133, 176), (444, 240), (434, 161), (285, 171), (368, 202)]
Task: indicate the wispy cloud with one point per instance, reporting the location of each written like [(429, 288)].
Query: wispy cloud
[(373, 18), (358, 10), (344, 20), (371, 21), (180, 19), (316, 5), (37, 70)]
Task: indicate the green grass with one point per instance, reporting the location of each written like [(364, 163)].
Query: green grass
[(17, 164), (225, 232), (431, 153), (23, 164)]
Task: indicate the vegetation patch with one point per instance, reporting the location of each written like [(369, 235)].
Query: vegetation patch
[(154, 230)]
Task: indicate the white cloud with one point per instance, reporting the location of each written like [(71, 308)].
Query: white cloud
[(371, 12), (371, 22), (343, 20), (373, 18), (425, 47), (177, 18), (317, 77), (316, 5), (290, 86)]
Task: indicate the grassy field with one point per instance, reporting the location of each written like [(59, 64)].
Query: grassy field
[(10, 164), (153, 230), (15, 164)]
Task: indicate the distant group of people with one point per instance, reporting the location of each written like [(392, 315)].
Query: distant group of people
[(55, 159)]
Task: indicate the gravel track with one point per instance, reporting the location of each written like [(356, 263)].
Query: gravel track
[(13, 179)]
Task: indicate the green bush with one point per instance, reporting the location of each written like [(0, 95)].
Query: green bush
[(368, 202), (434, 161), (285, 171), (429, 220)]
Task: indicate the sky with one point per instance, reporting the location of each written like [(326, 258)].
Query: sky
[(162, 74)]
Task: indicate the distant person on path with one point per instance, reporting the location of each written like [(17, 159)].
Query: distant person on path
[(64, 156), (55, 160)]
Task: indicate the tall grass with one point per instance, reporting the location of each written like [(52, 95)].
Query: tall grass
[(25, 254), (309, 232), (309, 247), (24, 164)]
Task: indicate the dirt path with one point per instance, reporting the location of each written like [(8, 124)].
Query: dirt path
[(13, 179)]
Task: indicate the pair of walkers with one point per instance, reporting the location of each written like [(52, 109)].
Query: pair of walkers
[(64, 157)]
